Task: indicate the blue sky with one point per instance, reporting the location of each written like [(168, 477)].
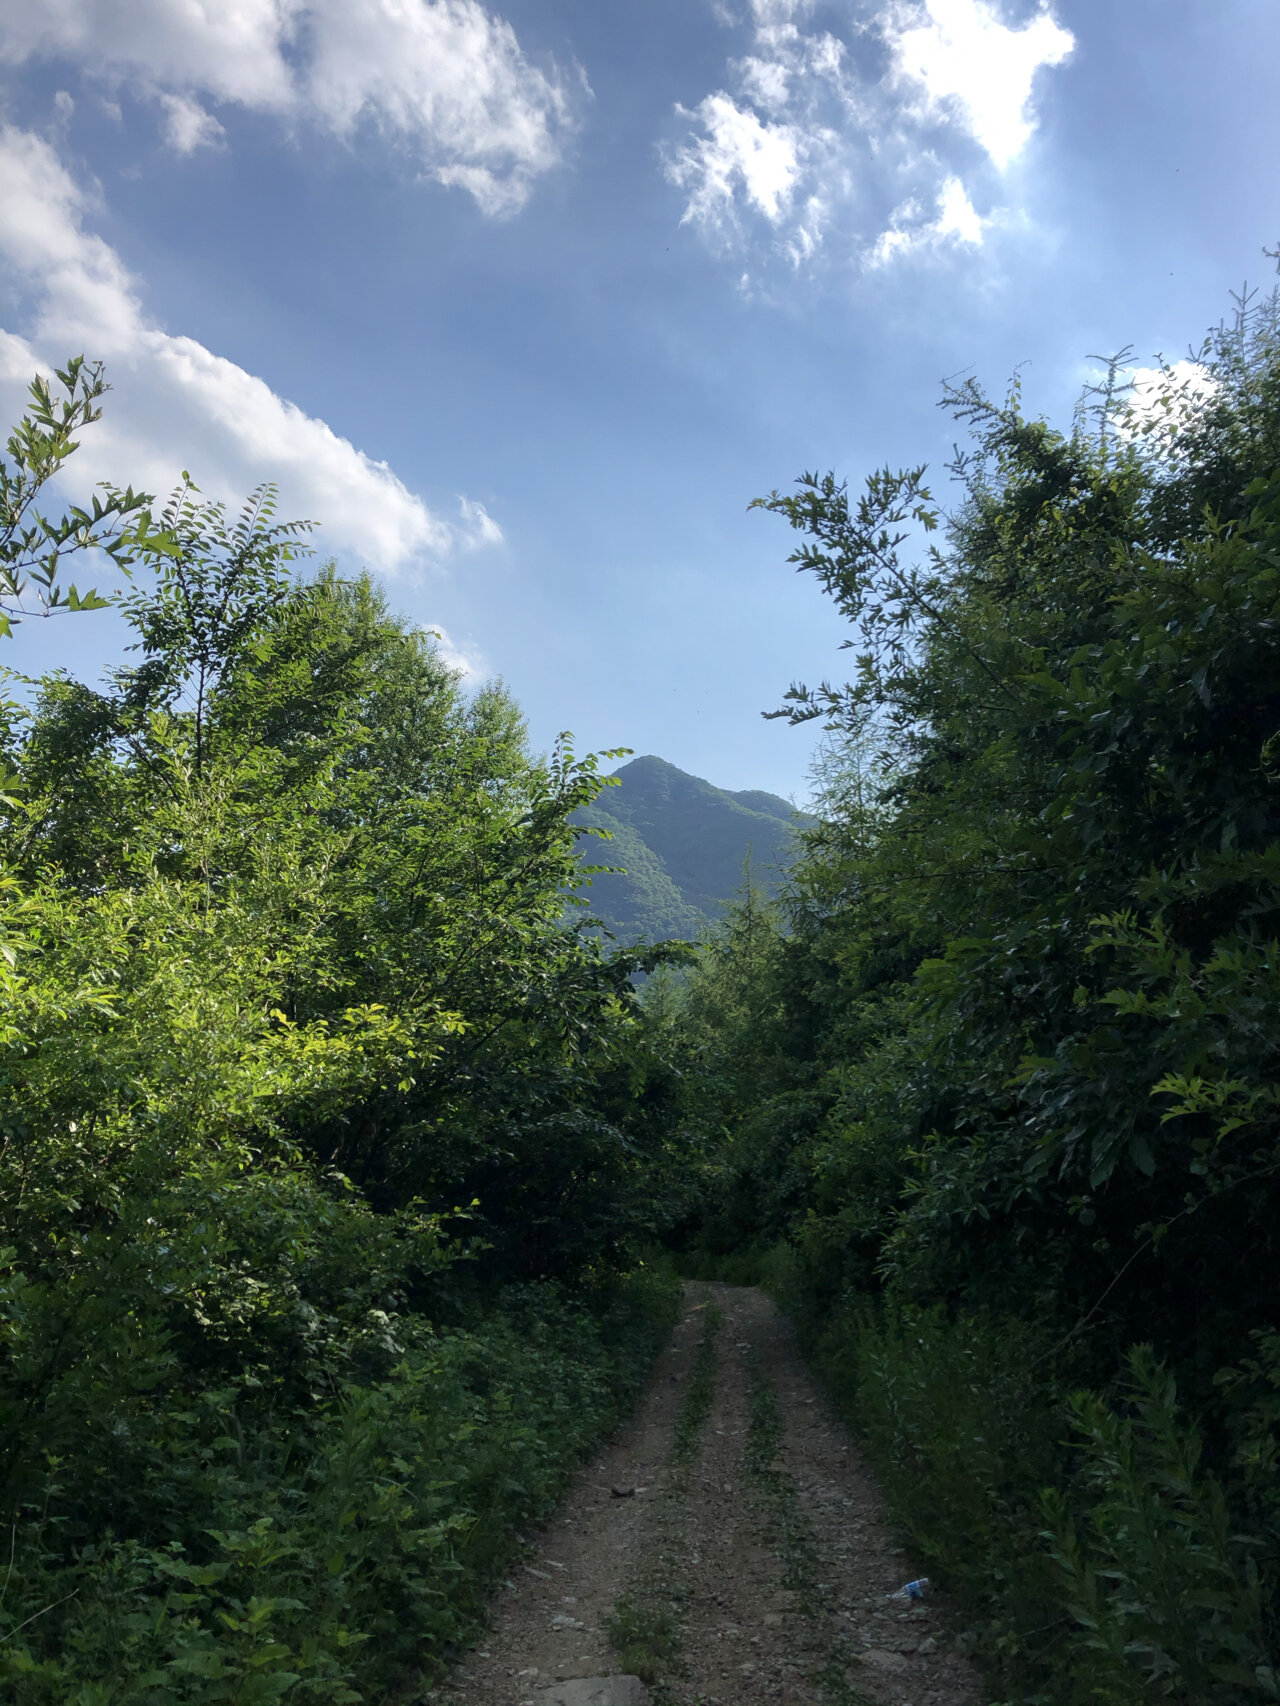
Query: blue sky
[(525, 304)]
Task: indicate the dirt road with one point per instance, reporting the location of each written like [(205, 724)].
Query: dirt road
[(728, 1548)]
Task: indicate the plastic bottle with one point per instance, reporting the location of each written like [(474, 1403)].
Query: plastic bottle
[(912, 1590)]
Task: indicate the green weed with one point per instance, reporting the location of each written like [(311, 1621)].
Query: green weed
[(1091, 1550), (700, 1392), (789, 1534), (644, 1636), (1165, 1597), (350, 1561)]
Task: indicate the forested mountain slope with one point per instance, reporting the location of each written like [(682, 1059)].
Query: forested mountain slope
[(686, 847)]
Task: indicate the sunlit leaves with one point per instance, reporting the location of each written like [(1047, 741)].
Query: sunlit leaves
[(33, 545)]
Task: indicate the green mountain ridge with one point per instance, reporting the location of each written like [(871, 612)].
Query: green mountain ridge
[(684, 847)]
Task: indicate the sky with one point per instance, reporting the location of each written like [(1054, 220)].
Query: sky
[(525, 303)]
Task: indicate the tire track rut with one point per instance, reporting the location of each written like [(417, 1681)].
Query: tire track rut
[(736, 1557)]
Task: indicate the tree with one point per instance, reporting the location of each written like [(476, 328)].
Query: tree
[(32, 546), (294, 1022), (1028, 989)]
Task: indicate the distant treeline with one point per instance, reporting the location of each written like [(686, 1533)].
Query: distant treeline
[(997, 1084)]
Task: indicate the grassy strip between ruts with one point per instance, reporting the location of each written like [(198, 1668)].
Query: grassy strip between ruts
[(696, 1404), (644, 1626), (788, 1533)]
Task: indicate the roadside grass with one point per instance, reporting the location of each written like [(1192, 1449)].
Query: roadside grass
[(645, 1637), (360, 1575)]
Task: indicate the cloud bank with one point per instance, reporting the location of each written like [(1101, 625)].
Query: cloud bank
[(444, 80), (175, 403), (911, 108)]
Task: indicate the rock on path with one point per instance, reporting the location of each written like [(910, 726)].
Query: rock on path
[(595, 1691)]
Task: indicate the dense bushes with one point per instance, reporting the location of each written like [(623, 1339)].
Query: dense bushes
[(327, 1142), (1004, 1093), (226, 1544)]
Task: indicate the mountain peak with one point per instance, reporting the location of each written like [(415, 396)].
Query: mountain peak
[(686, 846)]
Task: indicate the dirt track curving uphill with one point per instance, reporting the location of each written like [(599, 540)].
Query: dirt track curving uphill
[(728, 1545)]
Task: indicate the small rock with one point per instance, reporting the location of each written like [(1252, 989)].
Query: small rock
[(882, 1659), (586, 1665), (562, 1620), (623, 1492), (596, 1691), (927, 1646)]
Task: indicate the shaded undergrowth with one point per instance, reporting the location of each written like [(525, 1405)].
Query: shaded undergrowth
[(361, 1569), (1092, 1548)]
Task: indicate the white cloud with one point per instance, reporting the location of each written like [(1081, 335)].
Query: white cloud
[(177, 404), (478, 526), (444, 79), (188, 126), (956, 215), (811, 132), (231, 49), (770, 151), (978, 69), (957, 221), (736, 152)]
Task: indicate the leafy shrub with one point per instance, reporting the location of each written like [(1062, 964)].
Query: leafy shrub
[(1165, 1594), (333, 1551), (964, 1434), (1094, 1553)]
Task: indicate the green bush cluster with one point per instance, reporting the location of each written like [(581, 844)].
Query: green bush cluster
[(328, 1142), (995, 1084), (323, 1554)]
